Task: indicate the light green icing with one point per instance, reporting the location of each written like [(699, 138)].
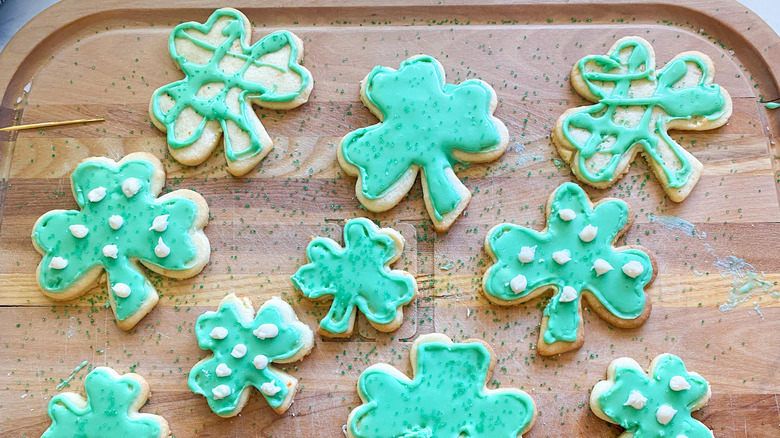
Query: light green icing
[(643, 423), (622, 295), (356, 275), (184, 92), (107, 413), (446, 399), (423, 121), (287, 343), (772, 105), (676, 103), (134, 240)]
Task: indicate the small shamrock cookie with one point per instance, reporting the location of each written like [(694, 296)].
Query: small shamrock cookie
[(425, 125), (447, 397), (635, 106), (110, 409), (224, 76), (573, 257), (357, 275), (654, 405), (121, 226), (244, 347)]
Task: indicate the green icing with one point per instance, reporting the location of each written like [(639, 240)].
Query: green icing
[(643, 423), (772, 105), (184, 92), (107, 412), (356, 275), (287, 343), (423, 121), (446, 398), (612, 86), (134, 239), (622, 295)]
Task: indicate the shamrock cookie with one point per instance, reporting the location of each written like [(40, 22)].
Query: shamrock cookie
[(635, 106), (357, 275), (121, 225), (110, 409), (244, 347), (573, 257), (658, 405), (447, 398), (224, 76), (425, 124)]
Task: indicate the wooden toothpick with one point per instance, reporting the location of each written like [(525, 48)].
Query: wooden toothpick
[(47, 124)]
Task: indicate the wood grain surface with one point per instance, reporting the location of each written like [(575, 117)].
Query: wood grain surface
[(104, 59)]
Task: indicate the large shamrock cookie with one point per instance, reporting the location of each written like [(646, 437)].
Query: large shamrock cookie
[(654, 405), (224, 76), (425, 124), (110, 409), (447, 398), (635, 106), (121, 225), (573, 257), (244, 347), (357, 275)]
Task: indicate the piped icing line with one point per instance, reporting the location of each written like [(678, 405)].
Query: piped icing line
[(613, 279)]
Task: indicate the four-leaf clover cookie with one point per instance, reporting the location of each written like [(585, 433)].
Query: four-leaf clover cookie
[(245, 346), (574, 257), (224, 76), (446, 398), (110, 409), (657, 404), (425, 125), (121, 226), (634, 107), (357, 275)]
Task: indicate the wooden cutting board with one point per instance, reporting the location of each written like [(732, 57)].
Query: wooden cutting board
[(104, 59)]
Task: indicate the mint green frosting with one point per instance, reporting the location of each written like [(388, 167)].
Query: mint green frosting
[(772, 105), (423, 121), (134, 240), (622, 295), (643, 423), (446, 399), (705, 99), (106, 413), (356, 275), (184, 92)]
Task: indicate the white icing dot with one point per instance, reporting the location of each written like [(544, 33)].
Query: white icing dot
[(678, 383), (602, 266), (110, 251), (527, 254), (238, 351), (270, 389), (518, 284), (633, 269), (96, 195), (160, 223), (561, 256), (58, 263), (121, 290), (115, 222), (223, 370), (567, 214), (260, 361), (218, 333), (636, 400), (266, 331), (161, 250), (568, 294), (131, 186), (588, 233), (79, 231), (665, 413), (221, 392)]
